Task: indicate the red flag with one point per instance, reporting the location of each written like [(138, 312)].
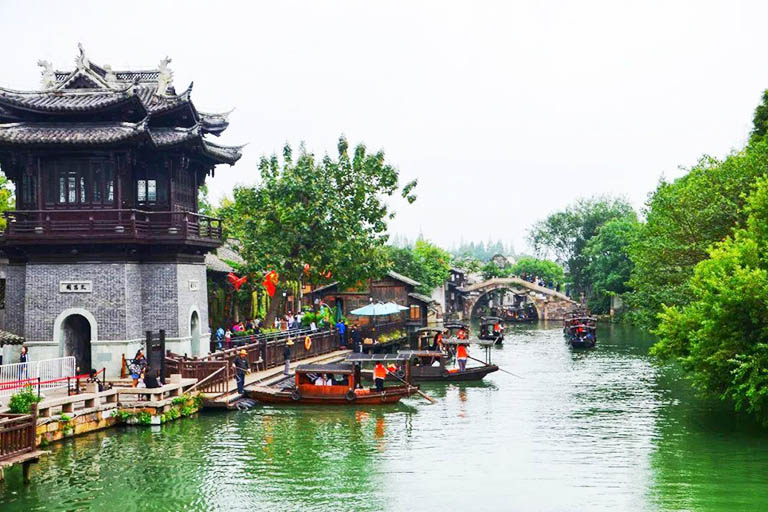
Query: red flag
[(239, 282), (270, 280)]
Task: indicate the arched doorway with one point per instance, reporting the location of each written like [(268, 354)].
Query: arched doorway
[(194, 331), (76, 340)]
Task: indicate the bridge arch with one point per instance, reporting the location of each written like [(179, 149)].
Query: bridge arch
[(550, 304)]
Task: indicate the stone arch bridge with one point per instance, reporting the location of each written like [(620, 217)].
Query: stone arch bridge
[(550, 305)]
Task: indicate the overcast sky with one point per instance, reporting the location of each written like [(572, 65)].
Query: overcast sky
[(504, 111)]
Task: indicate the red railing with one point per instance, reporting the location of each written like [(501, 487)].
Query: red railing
[(52, 225), (17, 433), (261, 355)]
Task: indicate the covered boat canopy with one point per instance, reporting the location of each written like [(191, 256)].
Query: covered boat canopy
[(359, 357), (337, 368), (456, 341), (428, 330), (422, 353), (455, 325), (490, 320)]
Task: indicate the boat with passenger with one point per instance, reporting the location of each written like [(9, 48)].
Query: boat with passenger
[(580, 330), (492, 329), (429, 338), (521, 313), (456, 329), (340, 384)]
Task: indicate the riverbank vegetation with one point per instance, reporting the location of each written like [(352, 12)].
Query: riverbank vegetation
[(693, 270)]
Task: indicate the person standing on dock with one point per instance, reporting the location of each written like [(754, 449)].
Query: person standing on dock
[(379, 374), (287, 356), (342, 327), (461, 356), (241, 367), (357, 338)]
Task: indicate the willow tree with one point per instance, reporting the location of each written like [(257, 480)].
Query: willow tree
[(314, 221)]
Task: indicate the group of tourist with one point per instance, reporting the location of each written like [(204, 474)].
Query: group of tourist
[(143, 375)]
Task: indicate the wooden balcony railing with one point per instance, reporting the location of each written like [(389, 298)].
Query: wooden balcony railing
[(17, 434), (52, 226)]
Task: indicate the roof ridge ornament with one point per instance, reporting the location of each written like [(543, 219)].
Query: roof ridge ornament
[(48, 74), (164, 78), (81, 60)]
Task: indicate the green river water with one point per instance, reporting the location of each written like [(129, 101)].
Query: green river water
[(593, 430)]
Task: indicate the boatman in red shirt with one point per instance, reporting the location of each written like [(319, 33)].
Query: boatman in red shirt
[(461, 357), (379, 374)]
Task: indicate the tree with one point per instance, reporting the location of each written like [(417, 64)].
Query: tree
[(683, 219), (329, 215), (548, 271), (719, 337), (609, 265), (425, 262), (566, 234), (760, 121)]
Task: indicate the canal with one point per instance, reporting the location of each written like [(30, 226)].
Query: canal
[(595, 430)]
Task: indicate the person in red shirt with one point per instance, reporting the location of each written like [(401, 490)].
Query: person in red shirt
[(461, 356), (379, 374)]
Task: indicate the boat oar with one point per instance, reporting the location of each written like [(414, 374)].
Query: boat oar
[(432, 400), (500, 369)]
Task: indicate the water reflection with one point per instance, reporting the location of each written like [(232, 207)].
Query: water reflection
[(600, 429)]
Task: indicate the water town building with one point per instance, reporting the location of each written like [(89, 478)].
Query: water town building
[(106, 242)]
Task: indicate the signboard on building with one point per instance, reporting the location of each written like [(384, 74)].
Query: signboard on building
[(75, 286)]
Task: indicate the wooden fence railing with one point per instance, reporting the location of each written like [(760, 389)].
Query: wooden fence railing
[(261, 355), (17, 434)]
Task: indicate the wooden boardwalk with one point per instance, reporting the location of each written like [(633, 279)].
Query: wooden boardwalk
[(264, 378)]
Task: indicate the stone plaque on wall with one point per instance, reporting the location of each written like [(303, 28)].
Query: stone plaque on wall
[(194, 285), (75, 286)]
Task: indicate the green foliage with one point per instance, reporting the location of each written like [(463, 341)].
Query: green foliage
[(609, 265), (548, 271), (683, 219), (66, 421), (122, 416), (482, 252), (179, 400), (760, 121), (425, 262), (21, 401), (329, 214), (203, 203), (719, 336), (491, 270), (144, 418), (566, 234), (7, 199)]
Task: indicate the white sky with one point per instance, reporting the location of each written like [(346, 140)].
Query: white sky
[(504, 111)]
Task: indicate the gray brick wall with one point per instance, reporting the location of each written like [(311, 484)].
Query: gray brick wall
[(44, 302), (15, 287), (127, 299)]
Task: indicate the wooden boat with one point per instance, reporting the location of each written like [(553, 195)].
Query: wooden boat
[(521, 314), (431, 365), (458, 330), (580, 330), (492, 329), (428, 338), (345, 387)]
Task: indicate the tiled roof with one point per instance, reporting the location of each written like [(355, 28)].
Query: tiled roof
[(49, 101), (23, 133)]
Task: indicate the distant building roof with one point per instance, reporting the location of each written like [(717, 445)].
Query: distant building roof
[(217, 261), (421, 298), (401, 277)]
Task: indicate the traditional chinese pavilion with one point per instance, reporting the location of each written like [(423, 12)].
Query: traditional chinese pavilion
[(106, 242)]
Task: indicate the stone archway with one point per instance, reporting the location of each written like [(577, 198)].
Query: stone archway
[(472, 304), (76, 341), (194, 333), (74, 331)]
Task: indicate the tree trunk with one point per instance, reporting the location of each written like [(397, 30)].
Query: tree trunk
[(274, 307)]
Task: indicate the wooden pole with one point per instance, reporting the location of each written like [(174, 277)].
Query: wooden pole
[(500, 369), (432, 400)]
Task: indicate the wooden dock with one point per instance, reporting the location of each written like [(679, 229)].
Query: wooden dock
[(264, 378)]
